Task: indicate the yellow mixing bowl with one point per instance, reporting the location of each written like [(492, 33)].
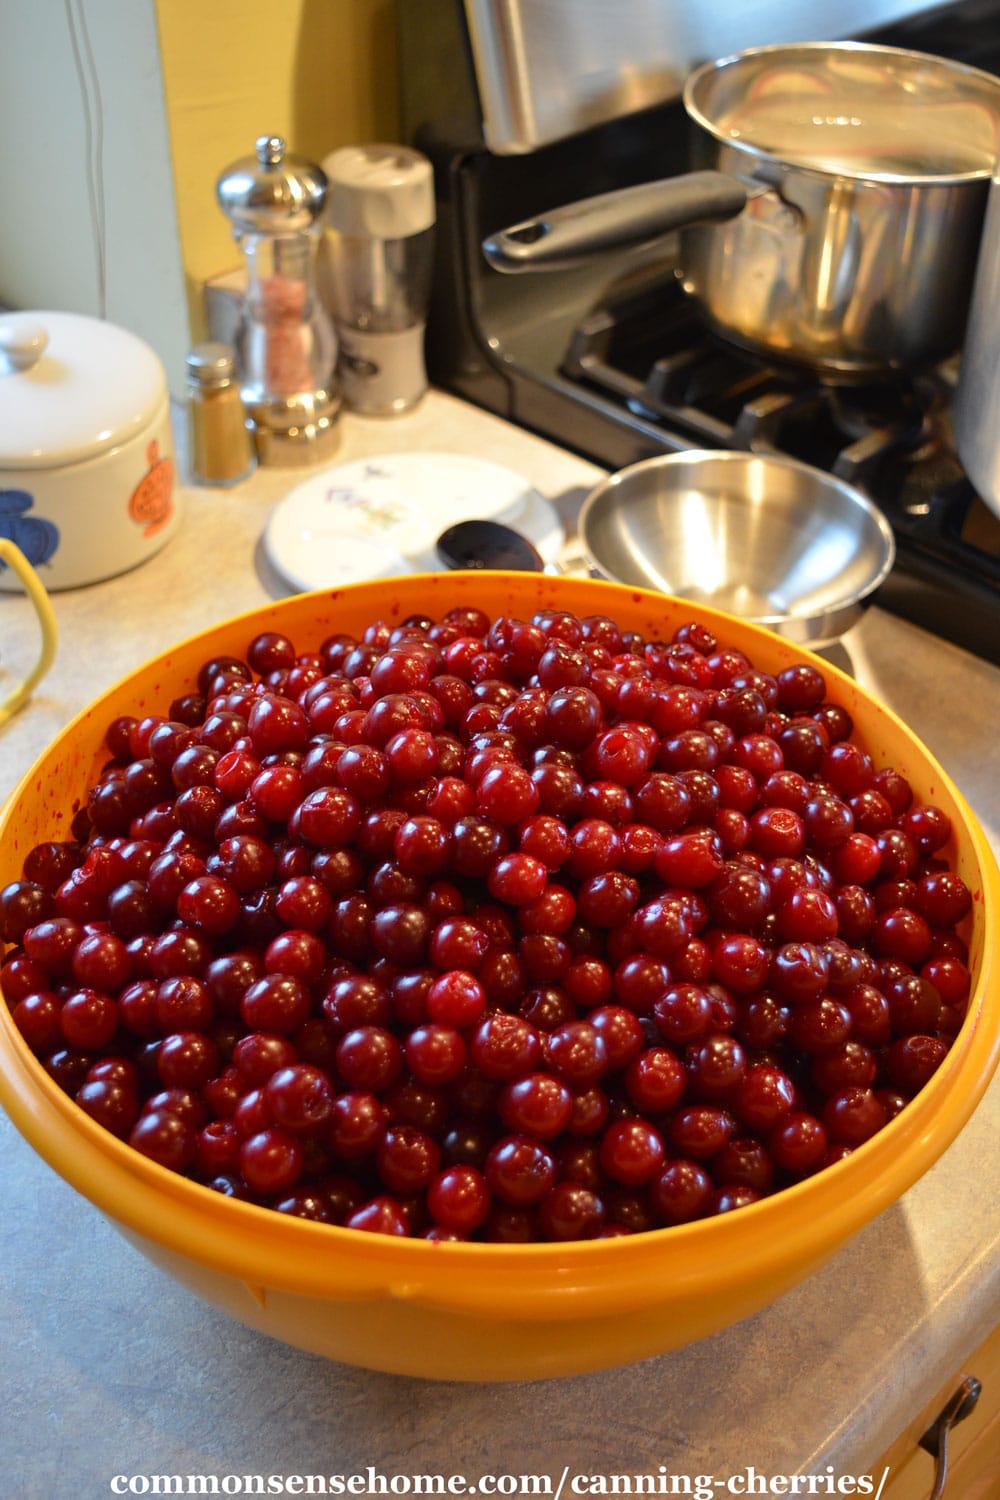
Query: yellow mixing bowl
[(482, 1311)]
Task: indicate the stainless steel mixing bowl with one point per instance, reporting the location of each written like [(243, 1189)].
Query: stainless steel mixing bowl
[(766, 538)]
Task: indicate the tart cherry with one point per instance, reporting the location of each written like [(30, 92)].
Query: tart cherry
[(519, 1170), (570, 1211), (537, 1104), (631, 1151), (458, 1198)]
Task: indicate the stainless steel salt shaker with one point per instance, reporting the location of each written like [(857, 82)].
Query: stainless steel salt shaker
[(286, 345), (376, 265)]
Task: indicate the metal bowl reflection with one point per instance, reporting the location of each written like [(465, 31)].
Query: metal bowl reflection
[(766, 538)]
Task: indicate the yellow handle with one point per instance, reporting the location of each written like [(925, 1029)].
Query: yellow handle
[(35, 590)]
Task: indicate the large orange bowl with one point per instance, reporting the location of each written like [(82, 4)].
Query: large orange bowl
[(482, 1311)]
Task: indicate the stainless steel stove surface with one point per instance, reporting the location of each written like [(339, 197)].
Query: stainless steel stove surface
[(612, 361)]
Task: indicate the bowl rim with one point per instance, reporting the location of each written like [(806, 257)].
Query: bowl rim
[(607, 488), (801, 1225)]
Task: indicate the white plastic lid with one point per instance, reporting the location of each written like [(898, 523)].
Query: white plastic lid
[(71, 387), (379, 192)]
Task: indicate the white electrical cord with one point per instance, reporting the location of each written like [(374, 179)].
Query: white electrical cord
[(93, 125)]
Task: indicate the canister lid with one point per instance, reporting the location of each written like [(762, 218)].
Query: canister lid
[(272, 192), (211, 364), (379, 191), (72, 387)]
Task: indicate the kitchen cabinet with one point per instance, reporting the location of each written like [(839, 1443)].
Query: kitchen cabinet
[(973, 1443)]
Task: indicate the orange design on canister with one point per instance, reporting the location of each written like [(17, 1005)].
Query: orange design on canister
[(151, 505)]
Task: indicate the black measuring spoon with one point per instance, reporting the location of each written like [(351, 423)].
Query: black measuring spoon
[(488, 544)]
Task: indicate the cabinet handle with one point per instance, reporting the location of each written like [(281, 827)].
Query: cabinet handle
[(935, 1439)]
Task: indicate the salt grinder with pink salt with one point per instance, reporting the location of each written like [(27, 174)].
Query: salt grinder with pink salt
[(286, 346)]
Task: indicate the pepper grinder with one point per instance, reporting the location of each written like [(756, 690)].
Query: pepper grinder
[(286, 346), (378, 253)]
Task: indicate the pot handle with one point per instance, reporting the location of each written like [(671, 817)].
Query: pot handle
[(627, 217)]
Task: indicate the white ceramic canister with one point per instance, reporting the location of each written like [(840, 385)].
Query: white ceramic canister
[(87, 471)]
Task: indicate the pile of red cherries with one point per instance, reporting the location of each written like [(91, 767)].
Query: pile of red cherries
[(507, 930)]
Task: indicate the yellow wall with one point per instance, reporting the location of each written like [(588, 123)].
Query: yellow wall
[(322, 73)]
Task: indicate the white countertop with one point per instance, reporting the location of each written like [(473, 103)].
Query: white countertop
[(109, 1368)]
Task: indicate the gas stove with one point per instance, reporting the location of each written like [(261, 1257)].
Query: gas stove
[(613, 361)]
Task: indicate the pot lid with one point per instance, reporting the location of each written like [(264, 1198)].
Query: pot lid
[(71, 387)]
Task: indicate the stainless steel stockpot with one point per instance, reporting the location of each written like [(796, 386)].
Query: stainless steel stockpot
[(976, 407), (835, 209)]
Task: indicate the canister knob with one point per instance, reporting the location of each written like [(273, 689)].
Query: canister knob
[(23, 341)]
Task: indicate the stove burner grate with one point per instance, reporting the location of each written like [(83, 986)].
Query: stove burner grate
[(652, 352)]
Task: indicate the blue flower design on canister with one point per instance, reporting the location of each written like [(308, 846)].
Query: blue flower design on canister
[(36, 537)]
